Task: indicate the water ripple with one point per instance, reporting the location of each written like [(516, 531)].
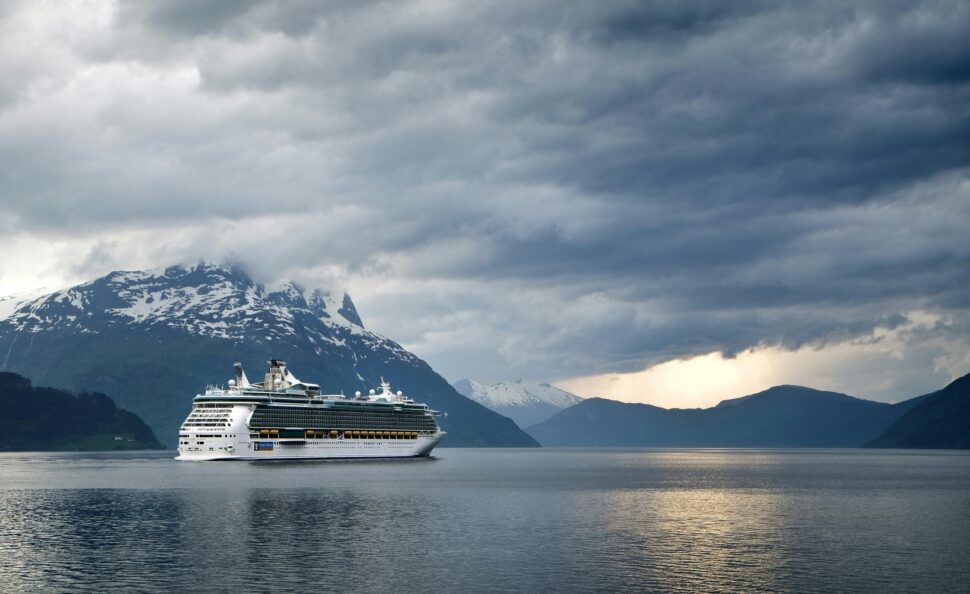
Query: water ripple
[(491, 520)]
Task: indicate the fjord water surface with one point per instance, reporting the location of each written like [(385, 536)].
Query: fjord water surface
[(491, 520)]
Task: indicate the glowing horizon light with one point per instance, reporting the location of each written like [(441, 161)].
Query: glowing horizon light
[(868, 368), (697, 382)]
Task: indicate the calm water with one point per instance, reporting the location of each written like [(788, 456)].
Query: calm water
[(492, 520)]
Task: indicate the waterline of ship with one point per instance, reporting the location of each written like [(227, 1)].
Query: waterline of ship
[(283, 418)]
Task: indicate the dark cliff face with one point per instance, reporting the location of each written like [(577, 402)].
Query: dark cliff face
[(152, 340), (784, 416), (940, 420), (48, 419)]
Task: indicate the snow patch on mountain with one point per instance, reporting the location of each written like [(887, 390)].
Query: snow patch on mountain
[(525, 403), (11, 303), (517, 393), (205, 300)]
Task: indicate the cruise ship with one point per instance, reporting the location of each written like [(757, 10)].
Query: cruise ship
[(285, 418)]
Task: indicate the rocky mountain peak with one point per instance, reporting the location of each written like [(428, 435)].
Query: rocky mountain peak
[(205, 299)]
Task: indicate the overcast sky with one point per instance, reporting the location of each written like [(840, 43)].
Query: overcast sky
[(556, 191)]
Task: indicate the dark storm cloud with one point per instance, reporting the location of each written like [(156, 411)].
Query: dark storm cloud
[(185, 17), (624, 182)]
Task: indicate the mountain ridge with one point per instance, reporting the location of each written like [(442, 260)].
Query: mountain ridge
[(781, 416), (940, 420), (152, 339)]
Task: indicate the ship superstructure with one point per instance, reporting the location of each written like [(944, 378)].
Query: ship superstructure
[(285, 418)]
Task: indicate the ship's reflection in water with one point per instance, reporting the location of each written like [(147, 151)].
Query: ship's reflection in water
[(486, 520)]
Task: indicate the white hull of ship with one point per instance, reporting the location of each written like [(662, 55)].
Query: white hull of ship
[(322, 449)]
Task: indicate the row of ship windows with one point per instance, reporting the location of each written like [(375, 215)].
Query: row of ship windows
[(281, 422), (334, 434), (323, 415), (331, 434), (383, 410), (343, 414), (338, 421), (358, 423), (368, 426), (198, 424), (202, 442), (210, 436)]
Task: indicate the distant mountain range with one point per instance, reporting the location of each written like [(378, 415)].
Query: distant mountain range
[(38, 419), (783, 416), (153, 339), (523, 402)]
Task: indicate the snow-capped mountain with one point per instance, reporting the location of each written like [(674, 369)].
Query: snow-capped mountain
[(523, 402), (205, 300), (151, 339)]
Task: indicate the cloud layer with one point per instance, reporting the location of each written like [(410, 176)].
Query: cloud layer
[(544, 189)]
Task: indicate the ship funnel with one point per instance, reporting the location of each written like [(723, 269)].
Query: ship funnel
[(241, 380)]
